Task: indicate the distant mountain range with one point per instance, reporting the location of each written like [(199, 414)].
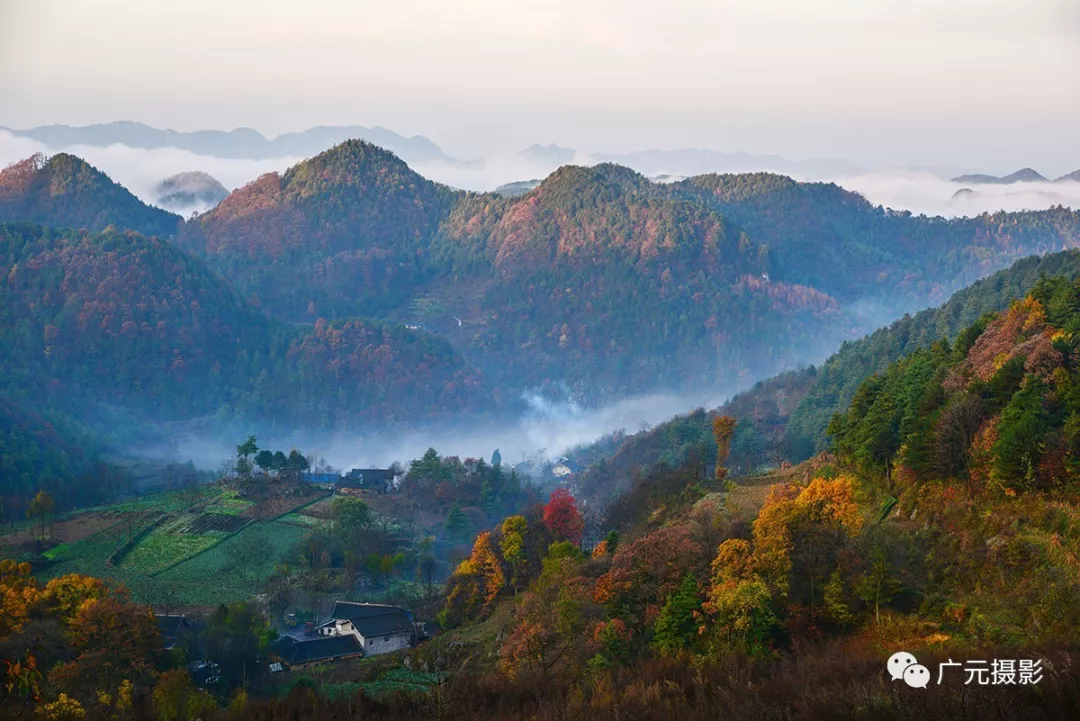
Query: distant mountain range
[(1024, 175), (239, 143)]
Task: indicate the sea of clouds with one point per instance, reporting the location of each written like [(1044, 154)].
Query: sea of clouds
[(140, 170)]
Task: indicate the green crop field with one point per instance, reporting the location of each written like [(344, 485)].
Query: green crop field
[(203, 568), (301, 519), (162, 549), (229, 503), (235, 568)]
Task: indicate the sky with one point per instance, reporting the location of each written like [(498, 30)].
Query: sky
[(989, 85)]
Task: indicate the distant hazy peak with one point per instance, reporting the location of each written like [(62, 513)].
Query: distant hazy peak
[(1024, 175), (242, 143), (518, 187), (191, 190), (1073, 177), (548, 154)]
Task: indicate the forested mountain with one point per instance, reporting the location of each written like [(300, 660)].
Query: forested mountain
[(998, 408), (944, 522), (66, 191), (605, 279), (832, 239), (785, 418), (840, 375), (137, 323), (598, 278), (339, 235), (120, 320)]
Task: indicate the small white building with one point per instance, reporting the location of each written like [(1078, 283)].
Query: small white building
[(379, 629), (564, 468)]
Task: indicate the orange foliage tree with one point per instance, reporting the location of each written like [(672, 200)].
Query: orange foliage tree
[(798, 533), (723, 428), (475, 584)]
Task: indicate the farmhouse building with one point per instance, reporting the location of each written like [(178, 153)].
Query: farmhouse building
[(378, 480), (378, 629), (565, 468), (298, 653)]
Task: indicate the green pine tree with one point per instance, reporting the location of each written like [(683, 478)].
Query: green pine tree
[(676, 627)]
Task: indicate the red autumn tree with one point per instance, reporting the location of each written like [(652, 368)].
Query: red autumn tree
[(562, 517)]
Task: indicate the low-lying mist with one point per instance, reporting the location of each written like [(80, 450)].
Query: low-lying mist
[(548, 429)]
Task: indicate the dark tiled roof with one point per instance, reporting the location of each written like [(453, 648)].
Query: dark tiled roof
[(294, 651), (171, 625), (373, 620)]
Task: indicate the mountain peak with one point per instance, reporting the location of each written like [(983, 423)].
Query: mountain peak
[(347, 163), (548, 154), (65, 190), (1024, 175), (190, 191)]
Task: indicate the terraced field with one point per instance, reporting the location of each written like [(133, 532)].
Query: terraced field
[(170, 544), (200, 550)]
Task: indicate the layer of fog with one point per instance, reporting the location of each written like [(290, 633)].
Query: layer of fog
[(140, 170), (549, 429), (922, 192)]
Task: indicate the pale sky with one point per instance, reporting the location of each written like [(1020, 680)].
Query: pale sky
[(977, 84)]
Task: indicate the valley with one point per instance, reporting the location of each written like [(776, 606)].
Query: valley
[(352, 303)]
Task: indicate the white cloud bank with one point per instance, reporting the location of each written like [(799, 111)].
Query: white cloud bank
[(920, 192)]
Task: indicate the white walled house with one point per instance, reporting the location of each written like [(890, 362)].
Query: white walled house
[(379, 629)]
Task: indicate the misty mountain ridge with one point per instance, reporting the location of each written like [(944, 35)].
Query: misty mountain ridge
[(548, 154), (1024, 175), (518, 187), (238, 143), (190, 190)]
